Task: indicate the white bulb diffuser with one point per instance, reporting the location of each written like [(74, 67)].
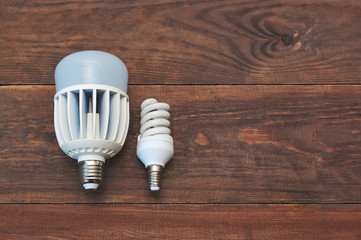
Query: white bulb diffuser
[(155, 145), (91, 110)]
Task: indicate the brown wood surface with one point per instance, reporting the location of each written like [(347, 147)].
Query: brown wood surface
[(180, 222), (233, 144), (187, 42), (265, 113)]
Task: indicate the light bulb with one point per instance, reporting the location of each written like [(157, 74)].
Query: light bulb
[(91, 110), (155, 145)]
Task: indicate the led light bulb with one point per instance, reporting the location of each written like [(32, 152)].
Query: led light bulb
[(91, 110), (155, 145)]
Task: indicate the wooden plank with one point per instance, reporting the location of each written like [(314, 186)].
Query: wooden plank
[(180, 222), (233, 144), (187, 42)]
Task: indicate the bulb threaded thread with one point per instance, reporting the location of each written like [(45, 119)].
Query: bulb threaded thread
[(154, 172), (91, 173)]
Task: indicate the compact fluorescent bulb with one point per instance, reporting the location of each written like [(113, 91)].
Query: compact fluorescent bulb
[(155, 144), (91, 110)]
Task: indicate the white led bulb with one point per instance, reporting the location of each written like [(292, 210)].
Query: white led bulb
[(91, 112)]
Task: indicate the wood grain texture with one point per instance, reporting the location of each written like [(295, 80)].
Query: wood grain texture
[(187, 42), (180, 222), (233, 144)]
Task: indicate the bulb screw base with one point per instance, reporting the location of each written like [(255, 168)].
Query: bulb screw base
[(91, 173), (154, 173)]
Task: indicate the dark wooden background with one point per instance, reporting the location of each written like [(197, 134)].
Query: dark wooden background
[(265, 110)]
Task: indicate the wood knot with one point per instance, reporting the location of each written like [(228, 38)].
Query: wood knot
[(201, 140), (287, 39)]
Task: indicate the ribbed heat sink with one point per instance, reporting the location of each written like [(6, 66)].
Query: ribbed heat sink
[(107, 109)]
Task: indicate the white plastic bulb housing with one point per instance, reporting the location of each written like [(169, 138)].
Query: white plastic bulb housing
[(91, 110), (155, 145)]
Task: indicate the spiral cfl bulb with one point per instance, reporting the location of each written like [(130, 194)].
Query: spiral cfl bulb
[(91, 110), (155, 145)]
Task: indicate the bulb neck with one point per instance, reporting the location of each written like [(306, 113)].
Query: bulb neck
[(154, 173), (91, 173)]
